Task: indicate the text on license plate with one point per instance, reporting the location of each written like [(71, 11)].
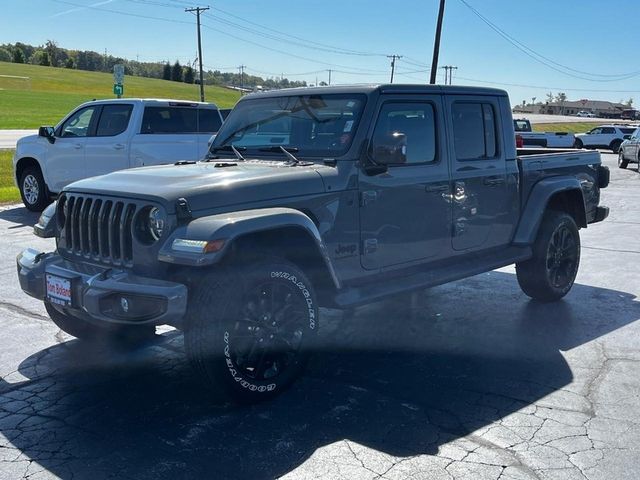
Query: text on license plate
[(58, 290)]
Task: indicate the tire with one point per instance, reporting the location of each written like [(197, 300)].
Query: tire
[(549, 274), (578, 143), (615, 146), (33, 190), (249, 329), (622, 162), (90, 332)]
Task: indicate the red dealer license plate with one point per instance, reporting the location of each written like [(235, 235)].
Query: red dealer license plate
[(58, 290)]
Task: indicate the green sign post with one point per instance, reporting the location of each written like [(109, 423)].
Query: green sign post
[(118, 80)]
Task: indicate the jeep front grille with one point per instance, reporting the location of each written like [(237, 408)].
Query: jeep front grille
[(97, 228)]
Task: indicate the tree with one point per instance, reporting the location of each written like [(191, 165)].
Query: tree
[(166, 71), (549, 97), (189, 75), (18, 55), (53, 52), (5, 55), (176, 72), (40, 57), (561, 97), (69, 63), (629, 103)]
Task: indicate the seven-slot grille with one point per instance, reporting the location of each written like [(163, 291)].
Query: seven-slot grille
[(97, 228)]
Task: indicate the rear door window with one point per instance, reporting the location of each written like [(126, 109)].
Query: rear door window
[(169, 120), (474, 131), (114, 120), (608, 130), (208, 120)]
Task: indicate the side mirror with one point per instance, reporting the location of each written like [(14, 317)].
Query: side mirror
[(392, 149), (627, 136), (48, 133)]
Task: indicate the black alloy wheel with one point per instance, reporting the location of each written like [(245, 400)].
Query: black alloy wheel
[(562, 257), (249, 328)]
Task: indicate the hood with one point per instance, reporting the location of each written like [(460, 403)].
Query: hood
[(208, 184), (27, 139)]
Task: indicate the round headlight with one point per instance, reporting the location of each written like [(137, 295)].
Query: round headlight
[(157, 222)]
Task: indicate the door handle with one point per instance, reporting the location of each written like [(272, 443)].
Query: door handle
[(493, 181), (118, 146), (437, 188), (77, 146)]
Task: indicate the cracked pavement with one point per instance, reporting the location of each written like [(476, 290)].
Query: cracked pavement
[(469, 380)]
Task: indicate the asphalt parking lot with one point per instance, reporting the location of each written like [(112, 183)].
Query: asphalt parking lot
[(469, 380)]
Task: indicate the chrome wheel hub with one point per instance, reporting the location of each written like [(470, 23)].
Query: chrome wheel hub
[(30, 189)]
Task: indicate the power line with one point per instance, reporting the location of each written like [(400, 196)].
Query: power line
[(340, 49), (293, 55), (341, 68), (489, 82), (538, 57)]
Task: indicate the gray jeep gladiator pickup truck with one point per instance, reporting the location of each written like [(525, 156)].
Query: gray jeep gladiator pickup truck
[(332, 197)]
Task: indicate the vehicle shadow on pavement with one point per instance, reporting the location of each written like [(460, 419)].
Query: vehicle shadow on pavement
[(19, 216), (402, 377)]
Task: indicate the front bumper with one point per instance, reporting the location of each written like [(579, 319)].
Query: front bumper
[(100, 294)]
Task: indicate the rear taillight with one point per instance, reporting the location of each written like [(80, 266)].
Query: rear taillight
[(519, 141)]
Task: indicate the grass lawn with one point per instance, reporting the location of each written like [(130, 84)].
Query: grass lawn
[(573, 127), (8, 191), (50, 93)]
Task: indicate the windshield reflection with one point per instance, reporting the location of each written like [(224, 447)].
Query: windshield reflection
[(313, 125)]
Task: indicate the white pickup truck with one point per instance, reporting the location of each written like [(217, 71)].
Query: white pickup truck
[(530, 138), (103, 136)]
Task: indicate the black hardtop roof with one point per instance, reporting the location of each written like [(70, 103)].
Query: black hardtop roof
[(385, 88)]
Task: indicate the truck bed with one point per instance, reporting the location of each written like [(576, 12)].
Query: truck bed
[(537, 164)]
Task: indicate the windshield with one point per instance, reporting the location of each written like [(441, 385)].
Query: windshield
[(313, 125)]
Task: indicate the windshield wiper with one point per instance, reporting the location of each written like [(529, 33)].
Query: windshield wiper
[(291, 156), (286, 150), (232, 148), (237, 153), (278, 149)]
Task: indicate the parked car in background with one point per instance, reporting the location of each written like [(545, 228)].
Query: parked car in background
[(605, 136), (103, 136), (629, 151), (585, 114), (522, 126)]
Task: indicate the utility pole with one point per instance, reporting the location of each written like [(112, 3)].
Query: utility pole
[(198, 11), (448, 69), (241, 70), (393, 64), (436, 44), (329, 75)]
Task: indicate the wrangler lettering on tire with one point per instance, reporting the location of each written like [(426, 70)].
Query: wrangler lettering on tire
[(249, 329)]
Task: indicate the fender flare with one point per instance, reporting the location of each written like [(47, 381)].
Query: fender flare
[(230, 226), (537, 203)]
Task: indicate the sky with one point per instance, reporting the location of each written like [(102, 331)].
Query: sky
[(529, 48)]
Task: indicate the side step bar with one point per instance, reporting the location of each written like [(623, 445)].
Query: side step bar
[(466, 266)]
